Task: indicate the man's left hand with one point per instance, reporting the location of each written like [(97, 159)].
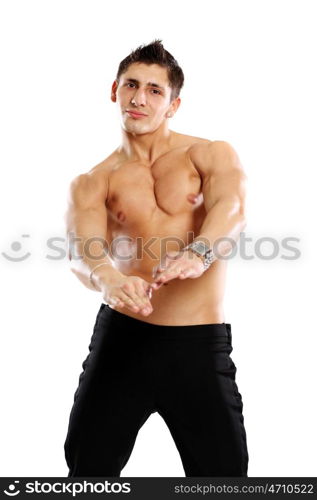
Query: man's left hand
[(175, 264)]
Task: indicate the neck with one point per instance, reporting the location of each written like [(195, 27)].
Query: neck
[(146, 147)]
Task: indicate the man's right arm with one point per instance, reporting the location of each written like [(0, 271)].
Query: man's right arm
[(86, 226)]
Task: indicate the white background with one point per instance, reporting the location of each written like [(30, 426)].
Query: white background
[(250, 80)]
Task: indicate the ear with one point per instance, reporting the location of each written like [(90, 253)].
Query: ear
[(114, 87), (174, 106)]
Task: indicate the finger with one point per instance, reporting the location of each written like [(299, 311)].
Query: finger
[(183, 276), (138, 302), (185, 273), (162, 270), (137, 294), (158, 269), (190, 273), (169, 274), (167, 259), (127, 301), (155, 269), (115, 301), (156, 285), (149, 292), (172, 255), (145, 293)]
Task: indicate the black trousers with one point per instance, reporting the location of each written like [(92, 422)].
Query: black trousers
[(133, 369)]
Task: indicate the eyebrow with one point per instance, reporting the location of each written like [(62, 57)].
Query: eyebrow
[(150, 84)]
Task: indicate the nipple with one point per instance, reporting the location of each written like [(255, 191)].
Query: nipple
[(121, 216), (193, 198)]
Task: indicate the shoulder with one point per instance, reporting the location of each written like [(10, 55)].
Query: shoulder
[(92, 185), (209, 156), (189, 141)]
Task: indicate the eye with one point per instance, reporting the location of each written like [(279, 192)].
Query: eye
[(130, 83), (155, 90)]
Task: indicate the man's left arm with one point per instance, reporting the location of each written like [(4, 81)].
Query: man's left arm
[(224, 193)]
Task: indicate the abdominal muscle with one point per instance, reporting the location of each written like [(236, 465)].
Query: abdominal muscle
[(187, 301)]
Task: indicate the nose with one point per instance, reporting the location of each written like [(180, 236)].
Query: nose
[(139, 98)]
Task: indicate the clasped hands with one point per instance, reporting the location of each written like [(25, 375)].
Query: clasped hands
[(135, 293), (182, 265)]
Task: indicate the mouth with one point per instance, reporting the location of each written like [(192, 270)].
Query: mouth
[(135, 114)]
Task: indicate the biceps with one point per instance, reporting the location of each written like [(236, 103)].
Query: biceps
[(87, 231), (228, 187), (86, 215)]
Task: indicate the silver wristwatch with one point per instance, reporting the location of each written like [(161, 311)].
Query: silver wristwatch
[(203, 251)]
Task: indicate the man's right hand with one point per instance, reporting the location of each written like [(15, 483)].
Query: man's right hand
[(132, 292)]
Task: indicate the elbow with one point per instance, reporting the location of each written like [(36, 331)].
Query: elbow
[(243, 223), (75, 265), (71, 263), (242, 215), (74, 271)]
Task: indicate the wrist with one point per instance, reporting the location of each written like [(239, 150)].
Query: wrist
[(195, 256), (102, 276), (202, 251)]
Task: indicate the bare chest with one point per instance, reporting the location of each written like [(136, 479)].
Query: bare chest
[(171, 186)]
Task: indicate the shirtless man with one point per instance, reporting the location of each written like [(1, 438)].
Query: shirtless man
[(160, 340)]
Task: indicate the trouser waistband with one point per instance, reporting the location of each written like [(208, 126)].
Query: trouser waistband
[(220, 331)]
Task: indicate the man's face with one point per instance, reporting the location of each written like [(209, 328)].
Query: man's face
[(145, 89)]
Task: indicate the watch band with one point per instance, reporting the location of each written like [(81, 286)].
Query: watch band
[(206, 255)]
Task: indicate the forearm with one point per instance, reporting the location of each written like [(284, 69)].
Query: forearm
[(101, 277), (222, 227), (83, 261)]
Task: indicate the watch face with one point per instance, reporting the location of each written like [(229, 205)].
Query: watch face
[(200, 247)]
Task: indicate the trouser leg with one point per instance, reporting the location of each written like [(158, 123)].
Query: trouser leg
[(111, 403), (202, 407)]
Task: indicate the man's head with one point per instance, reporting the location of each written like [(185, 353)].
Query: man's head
[(148, 81)]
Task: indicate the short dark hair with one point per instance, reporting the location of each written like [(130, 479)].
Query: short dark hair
[(154, 53)]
